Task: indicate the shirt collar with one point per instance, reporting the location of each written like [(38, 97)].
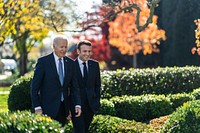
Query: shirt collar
[(56, 57), (80, 61)]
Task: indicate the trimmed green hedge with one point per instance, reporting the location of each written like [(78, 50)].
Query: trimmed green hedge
[(140, 108), (19, 97), (122, 82), (145, 107), (177, 100), (24, 122), (107, 108), (196, 94), (185, 119), (110, 124), (169, 80)]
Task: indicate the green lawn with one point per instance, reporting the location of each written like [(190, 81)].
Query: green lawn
[(3, 99), (4, 89), (3, 102)]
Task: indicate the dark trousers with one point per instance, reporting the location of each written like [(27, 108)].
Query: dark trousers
[(61, 116), (81, 124)]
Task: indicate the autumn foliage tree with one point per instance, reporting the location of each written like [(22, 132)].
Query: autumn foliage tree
[(112, 8), (26, 23), (124, 35), (22, 21), (123, 32), (100, 47)]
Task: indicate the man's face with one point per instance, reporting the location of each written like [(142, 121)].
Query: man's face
[(60, 48), (85, 52)]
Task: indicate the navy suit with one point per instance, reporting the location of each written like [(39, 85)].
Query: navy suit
[(90, 95), (46, 88)]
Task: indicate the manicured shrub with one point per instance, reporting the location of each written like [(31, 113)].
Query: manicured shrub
[(123, 82), (110, 124), (196, 94), (142, 108), (107, 108), (178, 99), (26, 122), (169, 80), (186, 119), (19, 97)]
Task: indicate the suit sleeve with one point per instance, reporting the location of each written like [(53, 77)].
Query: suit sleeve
[(98, 82), (36, 83), (75, 91)]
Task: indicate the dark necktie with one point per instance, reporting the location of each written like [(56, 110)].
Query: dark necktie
[(85, 73)]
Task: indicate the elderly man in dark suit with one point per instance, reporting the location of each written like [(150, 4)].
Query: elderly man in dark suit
[(54, 83), (88, 76)]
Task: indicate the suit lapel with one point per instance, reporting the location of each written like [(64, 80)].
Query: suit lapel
[(65, 68), (89, 70), (54, 69), (79, 74)]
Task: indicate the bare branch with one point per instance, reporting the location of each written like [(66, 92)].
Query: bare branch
[(112, 14)]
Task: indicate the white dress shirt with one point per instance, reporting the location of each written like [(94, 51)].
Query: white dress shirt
[(80, 62)]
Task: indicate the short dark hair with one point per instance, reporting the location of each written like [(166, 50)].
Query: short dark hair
[(83, 42)]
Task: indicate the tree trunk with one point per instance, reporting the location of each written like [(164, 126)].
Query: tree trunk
[(135, 61), (23, 63), (22, 49)]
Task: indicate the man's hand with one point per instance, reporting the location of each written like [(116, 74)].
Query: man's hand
[(69, 116), (77, 111), (39, 111)]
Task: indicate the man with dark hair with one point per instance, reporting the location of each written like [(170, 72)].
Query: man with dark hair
[(54, 84), (88, 76)]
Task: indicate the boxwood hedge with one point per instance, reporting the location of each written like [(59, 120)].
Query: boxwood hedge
[(185, 119), (168, 80), (19, 97), (26, 122), (110, 124)]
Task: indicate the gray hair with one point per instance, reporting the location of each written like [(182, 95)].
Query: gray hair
[(57, 39)]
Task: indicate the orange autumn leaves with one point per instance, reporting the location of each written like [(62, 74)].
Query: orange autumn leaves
[(123, 33), (197, 36)]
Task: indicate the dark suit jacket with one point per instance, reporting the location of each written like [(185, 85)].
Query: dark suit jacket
[(46, 88), (93, 85)]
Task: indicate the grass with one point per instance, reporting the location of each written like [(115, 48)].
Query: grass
[(3, 99), (4, 89), (3, 102)]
